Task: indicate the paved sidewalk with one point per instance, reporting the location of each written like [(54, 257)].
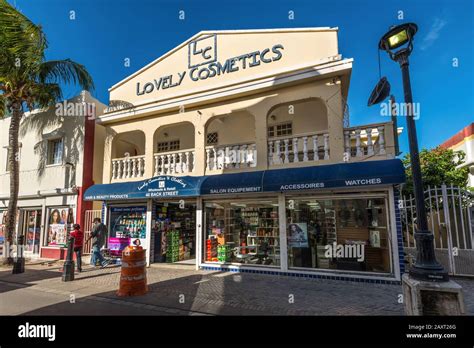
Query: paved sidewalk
[(185, 291)]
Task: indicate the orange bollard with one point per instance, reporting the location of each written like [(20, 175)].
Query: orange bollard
[(133, 273)]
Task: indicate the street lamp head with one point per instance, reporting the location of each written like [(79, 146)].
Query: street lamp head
[(398, 36)]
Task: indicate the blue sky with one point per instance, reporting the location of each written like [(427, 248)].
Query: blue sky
[(107, 31)]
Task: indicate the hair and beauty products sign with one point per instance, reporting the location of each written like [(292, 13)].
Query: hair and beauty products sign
[(203, 64)]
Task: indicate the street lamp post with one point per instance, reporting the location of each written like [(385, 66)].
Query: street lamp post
[(427, 289), (426, 267)]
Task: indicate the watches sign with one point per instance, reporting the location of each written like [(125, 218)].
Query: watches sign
[(203, 64)]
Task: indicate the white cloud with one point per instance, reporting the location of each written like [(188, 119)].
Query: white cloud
[(433, 34)]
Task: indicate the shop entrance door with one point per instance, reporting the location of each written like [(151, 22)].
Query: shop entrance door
[(175, 232), (31, 229)]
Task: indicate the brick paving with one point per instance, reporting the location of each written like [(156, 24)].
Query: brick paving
[(181, 290)]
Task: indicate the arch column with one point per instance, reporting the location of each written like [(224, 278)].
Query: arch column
[(259, 113), (149, 153), (199, 147), (335, 123), (108, 155)]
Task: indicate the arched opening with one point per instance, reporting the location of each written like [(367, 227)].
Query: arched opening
[(298, 132), (230, 141), (128, 155), (173, 148)]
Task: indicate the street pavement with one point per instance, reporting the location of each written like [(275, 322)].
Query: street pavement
[(181, 290)]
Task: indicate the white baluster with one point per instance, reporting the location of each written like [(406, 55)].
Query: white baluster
[(141, 165), (208, 159), (187, 164), (194, 161), (162, 164), (168, 164), (370, 145), (381, 130), (114, 169), (287, 151), (326, 146), (359, 152), (175, 164), (157, 165), (295, 150), (220, 158), (214, 151), (236, 156), (244, 158), (277, 152), (315, 148), (127, 168), (119, 169), (253, 163), (347, 148), (133, 162), (180, 164), (227, 161), (305, 149), (270, 153)]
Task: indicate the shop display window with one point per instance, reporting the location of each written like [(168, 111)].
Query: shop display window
[(126, 225), (32, 229), (245, 232), (175, 231), (60, 221), (344, 234)]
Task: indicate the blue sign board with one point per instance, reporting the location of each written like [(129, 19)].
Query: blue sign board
[(341, 175), (158, 187)]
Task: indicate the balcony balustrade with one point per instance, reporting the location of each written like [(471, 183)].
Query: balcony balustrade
[(365, 140), (175, 162), (128, 167), (231, 156), (298, 148)]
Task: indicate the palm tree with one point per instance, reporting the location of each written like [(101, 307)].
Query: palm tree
[(27, 81)]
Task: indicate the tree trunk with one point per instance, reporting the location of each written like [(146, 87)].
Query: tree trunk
[(14, 167)]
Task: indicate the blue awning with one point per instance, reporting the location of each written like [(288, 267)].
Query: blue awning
[(157, 187), (341, 175), (319, 177), (246, 182)]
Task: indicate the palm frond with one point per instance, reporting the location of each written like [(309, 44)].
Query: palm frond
[(19, 34), (43, 95), (67, 71)]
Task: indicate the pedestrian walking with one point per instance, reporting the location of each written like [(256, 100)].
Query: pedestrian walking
[(78, 243), (98, 236)]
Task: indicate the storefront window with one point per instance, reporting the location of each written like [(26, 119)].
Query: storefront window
[(32, 229), (242, 232), (60, 220), (343, 234), (126, 224), (175, 231)]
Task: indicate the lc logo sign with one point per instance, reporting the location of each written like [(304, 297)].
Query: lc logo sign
[(202, 51)]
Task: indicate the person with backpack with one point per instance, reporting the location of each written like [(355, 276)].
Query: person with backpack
[(98, 235), (78, 243)]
